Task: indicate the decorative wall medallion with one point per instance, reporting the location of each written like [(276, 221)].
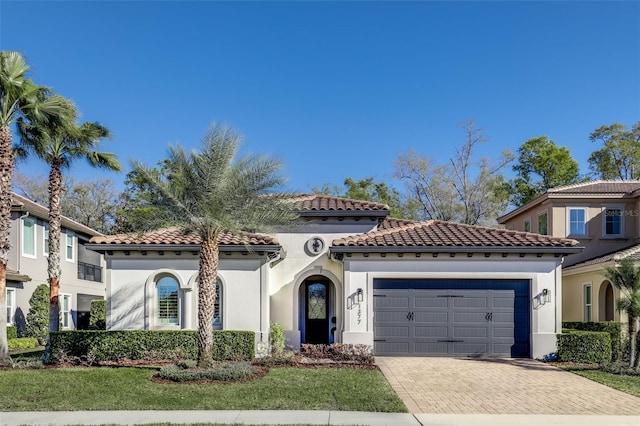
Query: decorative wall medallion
[(314, 246)]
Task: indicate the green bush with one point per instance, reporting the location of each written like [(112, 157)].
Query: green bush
[(226, 371), (276, 339), (12, 332), (22, 343), (38, 315), (147, 345), (98, 315), (612, 327), (584, 346)]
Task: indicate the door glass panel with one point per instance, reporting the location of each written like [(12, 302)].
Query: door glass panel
[(317, 301)]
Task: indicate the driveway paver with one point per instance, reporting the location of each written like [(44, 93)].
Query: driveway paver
[(499, 386)]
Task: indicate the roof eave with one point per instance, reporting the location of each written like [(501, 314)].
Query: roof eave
[(344, 213), (101, 248), (454, 249)]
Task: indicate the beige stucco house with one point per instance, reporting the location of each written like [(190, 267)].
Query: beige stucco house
[(604, 217), (351, 274), (81, 280)]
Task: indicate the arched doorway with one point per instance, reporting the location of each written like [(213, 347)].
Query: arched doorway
[(317, 310), (606, 310)]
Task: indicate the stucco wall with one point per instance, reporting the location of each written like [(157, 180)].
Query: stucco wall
[(573, 303)]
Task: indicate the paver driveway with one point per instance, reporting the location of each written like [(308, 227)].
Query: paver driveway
[(499, 386)]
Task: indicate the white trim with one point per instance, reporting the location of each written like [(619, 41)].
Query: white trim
[(68, 234), (62, 297), (11, 309), (22, 239), (606, 207), (568, 210)]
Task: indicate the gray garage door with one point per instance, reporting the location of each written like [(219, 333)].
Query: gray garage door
[(451, 317)]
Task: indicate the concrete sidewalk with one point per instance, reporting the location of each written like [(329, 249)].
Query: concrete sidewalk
[(268, 417)]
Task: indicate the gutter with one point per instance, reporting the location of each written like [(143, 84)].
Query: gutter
[(344, 213)]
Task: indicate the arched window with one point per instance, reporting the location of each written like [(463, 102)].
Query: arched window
[(217, 312), (167, 301)]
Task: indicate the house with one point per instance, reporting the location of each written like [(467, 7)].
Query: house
[(604, 217), (351, 274), (81, 280)]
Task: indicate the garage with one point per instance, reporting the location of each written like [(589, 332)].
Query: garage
[(451, 317)]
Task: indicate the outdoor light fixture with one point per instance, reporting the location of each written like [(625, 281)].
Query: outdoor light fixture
[(359, 295), (546, 295)]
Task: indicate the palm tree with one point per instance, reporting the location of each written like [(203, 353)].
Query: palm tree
[(209, 193), (20, 98), (626, 278), (59, 145)]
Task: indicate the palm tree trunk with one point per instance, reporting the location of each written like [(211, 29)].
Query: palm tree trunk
[(6, 172), (632, 340), (206, 300), (53, 265)]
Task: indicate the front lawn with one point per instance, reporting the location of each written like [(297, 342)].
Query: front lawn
[(627, 384), (126, 388)]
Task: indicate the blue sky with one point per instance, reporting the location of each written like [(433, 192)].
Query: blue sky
[(334, 89)]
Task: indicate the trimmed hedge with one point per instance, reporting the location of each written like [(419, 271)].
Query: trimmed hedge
[(98, 315), (22, 343), (12, 332), (149, 345), (592, 347), (612, 327)]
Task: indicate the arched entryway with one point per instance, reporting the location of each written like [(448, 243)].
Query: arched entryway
[(317, 318), (606, 311)]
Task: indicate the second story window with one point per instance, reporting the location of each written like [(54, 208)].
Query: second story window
[(542, 224), (29, 237), (69, 246), (576, 221), (612, 222), (45, 241), (527, 225)]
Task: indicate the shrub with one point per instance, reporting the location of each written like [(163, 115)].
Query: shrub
[(358, 354), (146, 345), (225, 371), (38, 315), (612, 327), (12, 332), (98, 315), (22, 343), (584, 346), (276, 339)]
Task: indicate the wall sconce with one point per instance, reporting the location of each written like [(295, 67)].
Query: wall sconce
[(546, 295), (359, 295)]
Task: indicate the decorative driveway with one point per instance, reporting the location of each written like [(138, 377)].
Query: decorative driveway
[(499, 386)]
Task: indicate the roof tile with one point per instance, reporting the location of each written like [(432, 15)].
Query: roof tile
[(173, 236)]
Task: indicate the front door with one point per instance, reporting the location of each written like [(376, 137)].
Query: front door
[(316, 325)]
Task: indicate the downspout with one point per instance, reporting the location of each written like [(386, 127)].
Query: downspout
[(20, 238), (272, 260), (343, 311)]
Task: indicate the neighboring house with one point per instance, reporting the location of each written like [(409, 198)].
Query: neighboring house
[(351, 274), (81, 279), (604, 217)]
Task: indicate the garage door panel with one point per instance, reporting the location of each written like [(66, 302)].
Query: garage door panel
[(430, 317), (453, 317), (386, 317), (391, 348), (441, 332), (466, 332), (431, 348)]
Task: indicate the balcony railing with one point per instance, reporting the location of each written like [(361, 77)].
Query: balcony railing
[(89, 272)]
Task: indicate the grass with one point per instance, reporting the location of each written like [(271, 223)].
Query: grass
[(627, 384), (127, 388)]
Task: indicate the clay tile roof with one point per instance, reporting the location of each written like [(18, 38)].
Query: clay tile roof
[(173, 236), (392, 223), (327, 203), (598, 187), (632, 252), (440, 234)]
